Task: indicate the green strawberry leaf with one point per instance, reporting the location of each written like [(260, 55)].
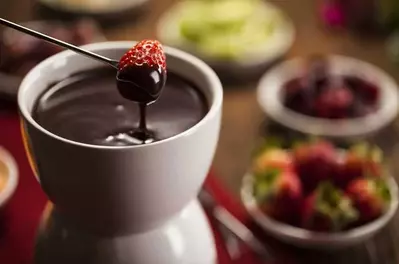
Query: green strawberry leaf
[(264, 183), (383, 190), (335, 206)]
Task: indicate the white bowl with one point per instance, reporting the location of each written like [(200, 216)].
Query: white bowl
[(309, 239), (255, 60), (122, 180), (269, 98), (12, 176)]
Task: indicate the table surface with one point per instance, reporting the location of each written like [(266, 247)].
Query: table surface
[(242, 116)]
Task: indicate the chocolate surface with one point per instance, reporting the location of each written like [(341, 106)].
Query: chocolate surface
[(88, 108)]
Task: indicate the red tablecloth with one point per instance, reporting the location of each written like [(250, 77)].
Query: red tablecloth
[(20, 218)]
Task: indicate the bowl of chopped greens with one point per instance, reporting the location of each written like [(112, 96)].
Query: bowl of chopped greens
[(233, 36)]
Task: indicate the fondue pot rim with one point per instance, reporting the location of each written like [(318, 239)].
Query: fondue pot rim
[(214, 101)]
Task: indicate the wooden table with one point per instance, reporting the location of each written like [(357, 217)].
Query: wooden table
[(242, 116)]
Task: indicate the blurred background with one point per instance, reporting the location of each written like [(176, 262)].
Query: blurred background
[(243, 40)]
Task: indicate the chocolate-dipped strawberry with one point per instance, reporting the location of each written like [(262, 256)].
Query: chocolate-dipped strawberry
[(142, 72)]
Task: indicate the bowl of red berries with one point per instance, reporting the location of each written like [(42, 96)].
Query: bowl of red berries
[(319, 196), (331, 96)]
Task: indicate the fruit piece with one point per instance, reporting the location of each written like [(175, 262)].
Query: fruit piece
[(298, 96), (146, 52), (334, 103), (360, 161), (315, 162), (327, 209), (279, 194), (142, 72), (370, 93), (273, 159), (371, 197), (366, 91)]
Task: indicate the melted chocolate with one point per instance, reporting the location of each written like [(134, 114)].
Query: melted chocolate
[(87, 108), (142, 84)]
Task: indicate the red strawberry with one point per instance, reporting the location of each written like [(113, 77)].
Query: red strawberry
[(334, 103), (273, 159), (142, 72), (370, 196), (279, 193), (327, 209), (315, 162), (360, 161)]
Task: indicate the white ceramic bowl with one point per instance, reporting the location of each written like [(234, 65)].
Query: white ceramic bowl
[(309, 239), (269, 97), (12, 176), (255, 60), (110, 190)]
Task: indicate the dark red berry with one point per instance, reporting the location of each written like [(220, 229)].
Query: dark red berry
[(315, 163), (334, 103), (370, 196)]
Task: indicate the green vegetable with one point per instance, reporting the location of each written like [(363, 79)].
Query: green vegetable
[(226, 29)]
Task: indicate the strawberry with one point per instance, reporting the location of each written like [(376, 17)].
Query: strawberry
[(327, 209), (370, 93), (315, 162), (360, 161), (298, 96), (273, 159), (279, 193), (334, 103), (371, 197), (142, 72)]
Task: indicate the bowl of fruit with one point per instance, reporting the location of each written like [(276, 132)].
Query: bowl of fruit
[(233, 36), (318, 196), (332, 96)]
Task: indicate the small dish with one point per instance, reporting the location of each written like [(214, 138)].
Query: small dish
[(270, 99), (311, 239), (9, 172), (249, 63), (96, 7)]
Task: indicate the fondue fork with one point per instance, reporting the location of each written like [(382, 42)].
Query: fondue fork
[(61, 43), (234, 225)]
